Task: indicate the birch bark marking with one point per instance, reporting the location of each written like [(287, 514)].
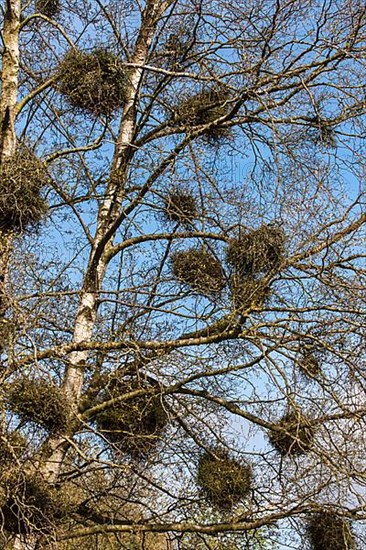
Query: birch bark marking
[(8, 101), (9, 75), (84, 325), (21, 543)]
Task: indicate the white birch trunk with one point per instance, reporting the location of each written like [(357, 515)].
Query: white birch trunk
[(8, 101), (9, 76), (85, 318)]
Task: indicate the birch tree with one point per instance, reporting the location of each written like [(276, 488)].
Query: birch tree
[(182, 274)]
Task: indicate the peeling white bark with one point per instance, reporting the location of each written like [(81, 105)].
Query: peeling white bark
[(21, 544), (8, 101), (9, 76)]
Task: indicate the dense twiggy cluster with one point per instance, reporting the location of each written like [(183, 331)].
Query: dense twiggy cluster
[(223, 480), (293, 435), (180, 206), (322, 133), (248, 293), (95, 82), (309, 364), (39, 401), (326, 530), (32, 504), (202, 109), (22, 179), (258, 251), (49, 8), (12, 445), (199, 269), (133, 425), (175, 49)]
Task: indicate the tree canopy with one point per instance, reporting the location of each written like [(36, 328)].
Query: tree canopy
[(182, 274)]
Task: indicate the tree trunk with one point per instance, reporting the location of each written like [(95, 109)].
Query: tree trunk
[(22, 544), (8, 101), (9, 77)]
